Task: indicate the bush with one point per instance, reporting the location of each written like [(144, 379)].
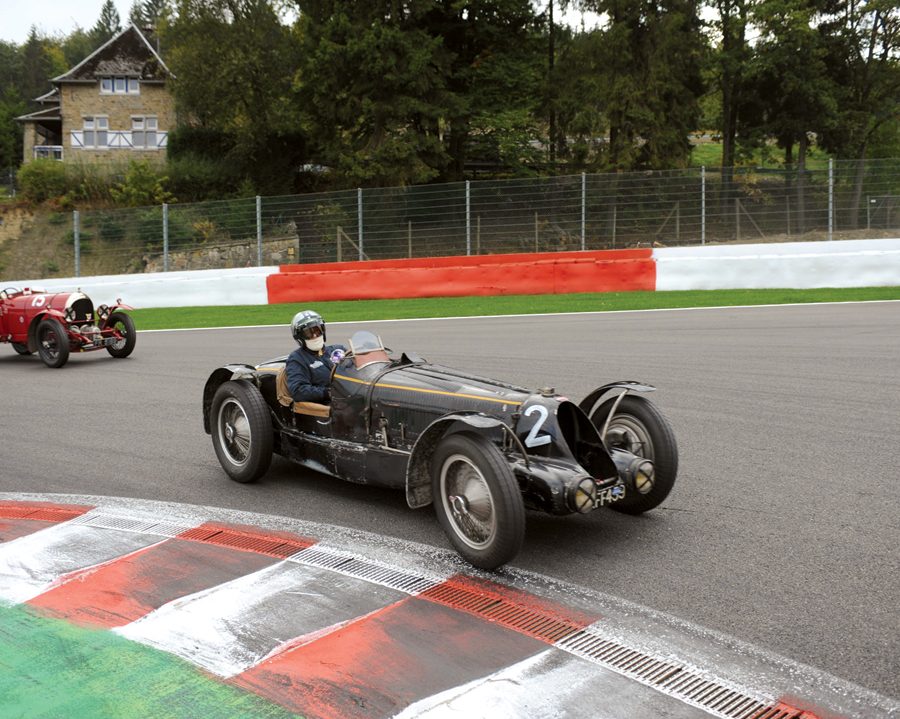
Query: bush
[(143, 185), (193, 178), (41, 180)]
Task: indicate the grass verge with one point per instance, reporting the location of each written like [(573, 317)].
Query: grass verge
[(363, 310), (50, 668)]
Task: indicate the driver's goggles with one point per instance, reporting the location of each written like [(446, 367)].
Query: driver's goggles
[(311, 332)]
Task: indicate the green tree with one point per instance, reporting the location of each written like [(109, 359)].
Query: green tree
[(148, 13), (372, 85), (731, 59), (233, 62), (647, 78), (107, 25), (76, 46), (862, 41), (795, 97)]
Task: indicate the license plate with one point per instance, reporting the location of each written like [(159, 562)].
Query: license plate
[(607, 496)]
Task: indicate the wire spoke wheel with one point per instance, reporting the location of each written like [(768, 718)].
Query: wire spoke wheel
[(52, 343), (125, 335)]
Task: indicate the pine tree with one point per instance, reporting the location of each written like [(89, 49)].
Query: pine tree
[(107, 25)]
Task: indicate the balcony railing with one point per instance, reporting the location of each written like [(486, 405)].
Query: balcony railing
[(113, 139), (48, 152)]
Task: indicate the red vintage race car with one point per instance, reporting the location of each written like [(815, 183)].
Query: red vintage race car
[(55, 324)]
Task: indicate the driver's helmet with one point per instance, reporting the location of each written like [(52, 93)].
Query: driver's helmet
[(306, 325)]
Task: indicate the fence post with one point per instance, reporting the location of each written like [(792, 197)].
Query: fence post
[(359, 220), (868, 213), (678, 222), (76, 239), (409, 238), (165, 229), (535, 231), (830, 197), (583, 207), (258, 231), (478, 235), (468, 220), (338, 236), (703, 205), (737, 218)]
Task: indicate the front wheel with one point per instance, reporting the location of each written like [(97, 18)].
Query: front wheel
[(21, 349), (53, 343), (241, 431), (477, 500), (640, 428), (124, 326)]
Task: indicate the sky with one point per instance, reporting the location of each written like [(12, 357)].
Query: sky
[(52, 17), (60, 17)]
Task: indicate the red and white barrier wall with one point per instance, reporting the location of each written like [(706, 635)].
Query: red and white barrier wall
[(798, 265)]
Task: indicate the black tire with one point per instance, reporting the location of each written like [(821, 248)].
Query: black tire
[(486, 520), (53, 343), (125, 325), (241, 429), (644, 431), (21, 349)]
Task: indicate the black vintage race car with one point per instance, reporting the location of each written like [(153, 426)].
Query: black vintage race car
[(480, 450)]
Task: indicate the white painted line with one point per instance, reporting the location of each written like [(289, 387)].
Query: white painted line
[(32, 564), (228, 628)]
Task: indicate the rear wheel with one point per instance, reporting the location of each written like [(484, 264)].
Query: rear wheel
[(21, 349), (640, 428), (53, 344), (477, 500), (124, 325), (241, 431)]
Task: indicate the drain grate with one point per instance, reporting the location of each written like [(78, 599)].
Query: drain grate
[(677, 680), (46, 514), (246, 541), (358, 567), (128, 524), (535, 623)]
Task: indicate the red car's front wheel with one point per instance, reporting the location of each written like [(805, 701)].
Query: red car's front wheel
[(53, 343)]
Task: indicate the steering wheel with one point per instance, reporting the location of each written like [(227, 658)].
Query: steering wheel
[(9, 292)]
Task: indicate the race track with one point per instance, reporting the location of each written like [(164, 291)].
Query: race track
[(782, 529)]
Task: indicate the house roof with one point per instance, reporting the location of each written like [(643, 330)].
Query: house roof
[(52, 96), (127, 53), (48, 113)]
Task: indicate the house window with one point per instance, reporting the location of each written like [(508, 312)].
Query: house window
[(120, 85), (143, 131), (96, 131)]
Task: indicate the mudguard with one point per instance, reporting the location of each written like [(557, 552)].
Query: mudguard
[(219, 377), (589, 404)]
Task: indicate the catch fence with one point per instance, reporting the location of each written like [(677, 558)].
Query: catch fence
[(574, 212)]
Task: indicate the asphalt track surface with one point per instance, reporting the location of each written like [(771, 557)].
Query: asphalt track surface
[(782, 530)]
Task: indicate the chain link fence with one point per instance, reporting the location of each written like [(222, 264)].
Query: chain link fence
[(576, 212)]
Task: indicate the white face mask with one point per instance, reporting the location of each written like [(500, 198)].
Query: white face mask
[(315, 344)]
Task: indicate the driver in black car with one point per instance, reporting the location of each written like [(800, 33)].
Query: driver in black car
[(309, 367)]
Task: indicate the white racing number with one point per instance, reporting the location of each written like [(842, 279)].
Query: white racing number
[(533, 440), (38, 301)]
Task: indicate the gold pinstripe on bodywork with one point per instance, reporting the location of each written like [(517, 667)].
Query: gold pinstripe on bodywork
[(444, 393)]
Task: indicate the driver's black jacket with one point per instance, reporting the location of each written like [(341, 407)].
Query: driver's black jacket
[(309, 373)]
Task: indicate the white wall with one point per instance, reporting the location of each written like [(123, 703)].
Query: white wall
[(797, 265), (239, 286)]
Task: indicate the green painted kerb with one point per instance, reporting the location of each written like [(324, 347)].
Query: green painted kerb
[(51, 669)]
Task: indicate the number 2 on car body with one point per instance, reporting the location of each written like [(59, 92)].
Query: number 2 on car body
[(533, 440)]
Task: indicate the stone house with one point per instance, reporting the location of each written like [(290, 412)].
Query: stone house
[(113, 105)]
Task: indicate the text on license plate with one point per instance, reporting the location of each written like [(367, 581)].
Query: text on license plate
[(609, 495)]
